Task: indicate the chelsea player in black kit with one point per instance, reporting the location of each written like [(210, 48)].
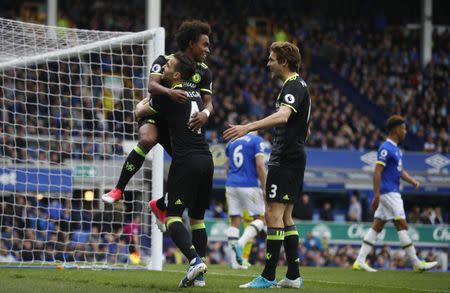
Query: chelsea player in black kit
[(192, 38), (189, 183), (286, 165)]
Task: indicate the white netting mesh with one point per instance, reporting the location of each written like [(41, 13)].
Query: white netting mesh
[(67, 99)]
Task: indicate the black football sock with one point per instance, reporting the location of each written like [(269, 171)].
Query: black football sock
[(290, 247), (274, 241), (181, 237), (199, 238), (132, 164)]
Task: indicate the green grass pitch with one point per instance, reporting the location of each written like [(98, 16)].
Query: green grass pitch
[(218, 279)]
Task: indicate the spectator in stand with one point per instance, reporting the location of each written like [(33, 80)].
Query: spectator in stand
[(26, 253), (354, 211), (438, 218), (303, 209), (429, 146), (326, 213), (5, 254), (427, 215), (414, 216), (432, 216), (312, 242), (132, 231), (218, 210)]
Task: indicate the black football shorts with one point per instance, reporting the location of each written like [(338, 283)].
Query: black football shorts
[(284, 184), (189, 185)]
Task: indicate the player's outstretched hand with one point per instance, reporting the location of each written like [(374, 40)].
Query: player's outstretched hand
[(198, 119), (178, 96), (235, 131), (375, 203)]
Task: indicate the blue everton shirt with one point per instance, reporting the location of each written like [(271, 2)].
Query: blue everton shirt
[(390, 156), (241, 155)]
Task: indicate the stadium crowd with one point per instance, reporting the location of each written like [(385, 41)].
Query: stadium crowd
[(72, 123), (63, 230), (381, 63), (385, 67)]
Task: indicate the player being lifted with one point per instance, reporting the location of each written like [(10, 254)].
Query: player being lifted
[(387, 201), (192, 38), (189, 183), (245, 165), (286, 165)]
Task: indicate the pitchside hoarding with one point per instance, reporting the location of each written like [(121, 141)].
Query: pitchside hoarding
[(351, 233), (45, 180), (343, 169)]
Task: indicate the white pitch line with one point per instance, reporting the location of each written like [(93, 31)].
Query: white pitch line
[(320, 281)]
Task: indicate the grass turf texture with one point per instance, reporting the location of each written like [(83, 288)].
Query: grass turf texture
[(218, 279)]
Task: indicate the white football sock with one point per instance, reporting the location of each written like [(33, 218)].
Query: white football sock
[(232, 234), (369, 240), (407, 245), (251, 231)]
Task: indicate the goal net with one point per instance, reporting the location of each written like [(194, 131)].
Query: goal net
[(67, 100)]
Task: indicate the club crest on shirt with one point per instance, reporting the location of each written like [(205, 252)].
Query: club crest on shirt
[(196, 78), (288, 98), (156, 68)]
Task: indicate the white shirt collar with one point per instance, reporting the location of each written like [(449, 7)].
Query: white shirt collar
[(391, 141)]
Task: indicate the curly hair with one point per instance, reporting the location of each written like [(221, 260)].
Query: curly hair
[(394, 121), (191, 30)]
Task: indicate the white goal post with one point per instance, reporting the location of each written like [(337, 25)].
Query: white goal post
[(67, 99)]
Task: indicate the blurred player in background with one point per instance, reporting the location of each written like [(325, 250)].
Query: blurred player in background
[(245, 165), (247, 220), (286, 166), (387, 202)]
